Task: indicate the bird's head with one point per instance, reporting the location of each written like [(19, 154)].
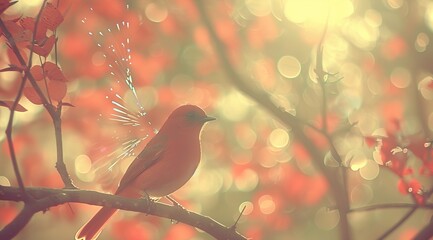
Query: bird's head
[(188, 117)]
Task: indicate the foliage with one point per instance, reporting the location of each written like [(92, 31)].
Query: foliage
[(324, 123)]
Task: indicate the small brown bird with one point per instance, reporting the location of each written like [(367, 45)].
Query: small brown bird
[(166, 163)]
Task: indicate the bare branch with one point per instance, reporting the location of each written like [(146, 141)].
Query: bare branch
[(44, 198), (8, 132), (399, 223), (388, 206), (426, 232)]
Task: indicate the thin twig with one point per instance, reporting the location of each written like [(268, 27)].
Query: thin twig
[(60, 164), (18, 223), (399, 223), (9, 135), (389, 206)]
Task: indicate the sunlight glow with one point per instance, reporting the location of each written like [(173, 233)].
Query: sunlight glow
[(234, 106), (4, 181), (83, 164), (356, 159), (400, 77), (156, 13), (370, 171), (258, 8), (326, 219), (279, 138), (315, 12), (361, 194), (422, 41), (267, 204), (249, 207), (289, 66), (247, 180), (83, 167)]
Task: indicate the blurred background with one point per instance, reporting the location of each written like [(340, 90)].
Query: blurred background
[(381, 60)]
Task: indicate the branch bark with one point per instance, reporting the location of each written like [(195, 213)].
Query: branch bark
[(44, 198)]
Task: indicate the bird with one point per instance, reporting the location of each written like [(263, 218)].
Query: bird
[(165, 164)]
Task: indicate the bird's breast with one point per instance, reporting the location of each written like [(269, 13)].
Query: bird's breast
[(177, 165)]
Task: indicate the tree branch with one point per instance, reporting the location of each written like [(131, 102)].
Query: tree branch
[(52, 111), (388, 206), (399, 223), (44, 198), (262, 98), (426, 232), (8, 133)]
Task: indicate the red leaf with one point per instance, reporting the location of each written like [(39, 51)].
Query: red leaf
[(37, 72), (45, 48), (57, 90), (180, 232), (51, 17), (19, 34), (402, 187), (370, 141), (131, 229), (430, 84), (5, 4), (32, 95), (8, 104), (12, 68), (13, 59), (67, 104), (9, 213), (28, 23), (53, 72)]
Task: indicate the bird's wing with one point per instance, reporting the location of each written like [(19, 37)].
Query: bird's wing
[(149, 156)]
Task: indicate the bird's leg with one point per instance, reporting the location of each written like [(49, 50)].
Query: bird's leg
[(175, 203), (150, 201)]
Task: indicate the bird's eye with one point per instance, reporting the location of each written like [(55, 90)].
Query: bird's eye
[(191, 115)]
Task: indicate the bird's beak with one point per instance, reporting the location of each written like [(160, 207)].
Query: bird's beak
[(208, 118)]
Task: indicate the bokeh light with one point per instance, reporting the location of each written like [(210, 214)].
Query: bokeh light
[(247, 180), (156, 12), (326, 219), (4, 181), (249, 207), (279, 138), (316, 11), (267, 204), (289, 66), (370, 171), (378, 84)]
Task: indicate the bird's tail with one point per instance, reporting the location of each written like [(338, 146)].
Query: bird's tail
[(92, 229)]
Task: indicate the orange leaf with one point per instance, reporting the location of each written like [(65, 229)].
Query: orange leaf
[(13, 59), (37, 72), (5, 4), (51, 17), (45, 48), (53, 72), (19, 34), (8, 104), (32, 95), (28, 23), (370, 141), (57, 90), (430, 84), (402, 187)]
